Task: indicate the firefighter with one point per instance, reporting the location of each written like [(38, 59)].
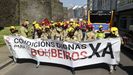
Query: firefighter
[(64, 32), (78, 34), (33, 31), (100, 33), (90, 35), (13, 30), (58, 34), (46, 33), (39, 31), (70, 35), (83, 27), (24, 29), (114, 34)]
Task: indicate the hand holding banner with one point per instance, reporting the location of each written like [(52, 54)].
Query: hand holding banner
[(65, 53)]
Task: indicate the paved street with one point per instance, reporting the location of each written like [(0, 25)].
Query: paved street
[(4, 54), (27, 67)]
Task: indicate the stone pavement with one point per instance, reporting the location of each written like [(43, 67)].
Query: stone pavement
[(4, 56)]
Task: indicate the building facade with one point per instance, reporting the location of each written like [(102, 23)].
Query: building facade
[(65, 12), (70, 13), (77, 12), (125, 14), (124, 9), (102, 4)]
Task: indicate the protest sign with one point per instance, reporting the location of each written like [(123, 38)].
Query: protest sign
[(72, 54)]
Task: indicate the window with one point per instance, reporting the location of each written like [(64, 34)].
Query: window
[(100, 18), (123, 22)]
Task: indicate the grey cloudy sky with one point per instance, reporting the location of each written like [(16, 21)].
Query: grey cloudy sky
[(69, 3)]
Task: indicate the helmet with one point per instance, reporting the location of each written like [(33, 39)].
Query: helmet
[(47, 27), (71, 22), (100, 26), (34, 22), (61, 23), (12, 27), (80, 19), (52, 21), (37, 26), (114, 31), (84, 21), (71, 19), (70, 29), (59, 29), (90, 26), (26, 22), (67, 22), (77, 24)]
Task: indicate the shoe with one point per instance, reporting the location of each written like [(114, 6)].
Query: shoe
[(111, 71), (115, 68)]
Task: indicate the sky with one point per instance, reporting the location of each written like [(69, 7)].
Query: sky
[(70, 3)]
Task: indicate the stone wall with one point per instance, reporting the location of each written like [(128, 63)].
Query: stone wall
[(57, 10), (14, 12), (9, 12), (35, 10)]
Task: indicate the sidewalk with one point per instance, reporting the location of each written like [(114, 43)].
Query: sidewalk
[(129, 43), (4, 57), (130, 46)]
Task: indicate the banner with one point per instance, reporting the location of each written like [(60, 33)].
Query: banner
[(105, 26), (72, 54)]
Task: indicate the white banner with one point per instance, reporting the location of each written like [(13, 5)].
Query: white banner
[(72, 54)]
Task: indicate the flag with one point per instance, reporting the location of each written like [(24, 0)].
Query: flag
[(45, 22)]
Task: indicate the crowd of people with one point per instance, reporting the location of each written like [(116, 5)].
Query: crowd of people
[(71, 31), (64, 31)]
